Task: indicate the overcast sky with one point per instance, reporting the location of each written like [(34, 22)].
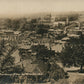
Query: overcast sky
[(21, 7)]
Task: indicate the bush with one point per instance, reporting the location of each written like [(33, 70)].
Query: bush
[(56, 72)]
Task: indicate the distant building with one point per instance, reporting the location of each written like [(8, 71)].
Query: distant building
[(63, 23), (55, 31), (52, 18), (46, 20), (67, 20), (73, 31), (23, 46), (65, 39), (73, 35), (57, 47), (75, 24), (81, 18), (51, 30), (58, 31), (9, 35)]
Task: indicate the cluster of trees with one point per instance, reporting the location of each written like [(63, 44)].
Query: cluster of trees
[(73, 53), (77, 40), (41, 29), (23, 25), (47, 62), (72, 17), (24, 54), (42, 52), (16, 24), (7, 62), (2, 47)]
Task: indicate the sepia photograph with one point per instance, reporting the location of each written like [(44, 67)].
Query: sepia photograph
[(41, 42)]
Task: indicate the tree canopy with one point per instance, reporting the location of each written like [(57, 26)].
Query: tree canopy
[(73, 55), (42, 52), (41, 29)]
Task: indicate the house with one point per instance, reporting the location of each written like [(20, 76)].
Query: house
[(75, 23), (65, 39), (55, 31), (82, 30), (51, 30), (32, 71), (81, 18), (9, 35), (73, 35), (63, 23), (25, 53), (57, 47), (72, 29), (52, 18), (76, 33), (23, 46), (58, 31), (16, 55), (31, 68)]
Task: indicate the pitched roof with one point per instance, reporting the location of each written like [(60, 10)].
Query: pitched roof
[(31, 68), (16, 56)]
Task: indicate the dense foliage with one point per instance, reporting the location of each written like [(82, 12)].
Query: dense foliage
[(47, 62), (73, 55)]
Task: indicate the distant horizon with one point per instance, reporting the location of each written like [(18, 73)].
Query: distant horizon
[(38, 14), (20, 8)]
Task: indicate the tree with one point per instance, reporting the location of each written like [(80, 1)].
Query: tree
[(41, 29), (15, 24), (73, 55), (73, 17), (34, 20), (42, 52), (60, 26), (24, 54), (46, 62), (77, 40), (8, 23), (8, 61), (24, 26), (2, 47), (32, 25)]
